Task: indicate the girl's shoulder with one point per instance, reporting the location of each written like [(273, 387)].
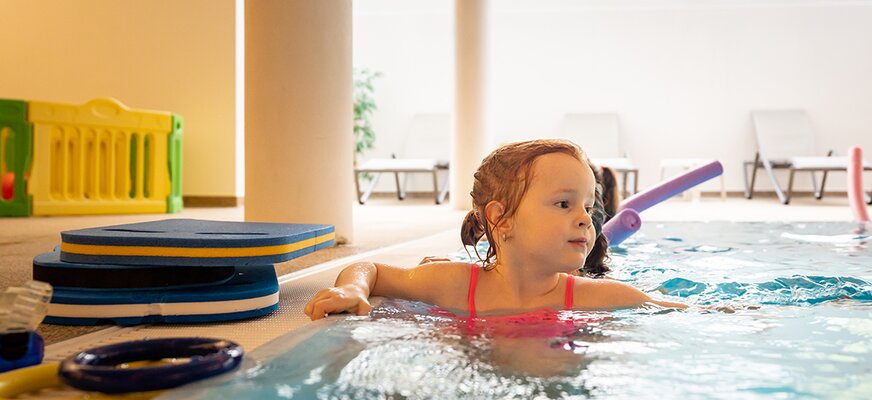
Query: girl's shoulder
[(453, 266), (605, 293), (451, 271), (614, 294), (599, 284), (443, 283)]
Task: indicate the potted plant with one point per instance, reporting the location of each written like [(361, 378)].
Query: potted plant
[(364, 107)]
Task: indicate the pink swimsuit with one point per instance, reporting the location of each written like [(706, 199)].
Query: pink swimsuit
[(474, 280)]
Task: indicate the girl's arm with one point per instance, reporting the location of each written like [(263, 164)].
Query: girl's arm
[(358, 281), (613, 294), (350, 293)]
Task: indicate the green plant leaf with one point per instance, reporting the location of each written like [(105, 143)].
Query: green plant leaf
[(364, 109)]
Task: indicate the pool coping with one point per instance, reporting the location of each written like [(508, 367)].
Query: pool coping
[(295, 289)]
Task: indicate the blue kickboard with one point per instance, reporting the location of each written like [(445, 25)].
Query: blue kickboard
[(48, 267), (183, 242), (163, 319), (249, 283)]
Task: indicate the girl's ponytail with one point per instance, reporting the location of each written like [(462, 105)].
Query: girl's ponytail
[(471, 231)]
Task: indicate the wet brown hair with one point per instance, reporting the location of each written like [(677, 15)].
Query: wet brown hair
[(504, 176)]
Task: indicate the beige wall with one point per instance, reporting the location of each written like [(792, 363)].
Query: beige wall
[(173, 55)]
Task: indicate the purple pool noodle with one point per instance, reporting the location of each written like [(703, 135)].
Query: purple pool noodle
[(644, 200), (625, 223)]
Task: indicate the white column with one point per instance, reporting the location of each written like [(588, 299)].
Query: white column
[(470, 138), (298, 105)]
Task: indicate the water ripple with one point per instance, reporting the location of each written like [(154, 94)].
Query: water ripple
[(793, 290)]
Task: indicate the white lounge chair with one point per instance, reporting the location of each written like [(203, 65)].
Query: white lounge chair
[(785, 140), (426, 150), (599, 135)]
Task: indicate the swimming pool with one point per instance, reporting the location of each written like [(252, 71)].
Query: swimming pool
[(795, 322)]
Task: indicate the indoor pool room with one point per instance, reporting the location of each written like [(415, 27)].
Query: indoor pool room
[(436, 199)]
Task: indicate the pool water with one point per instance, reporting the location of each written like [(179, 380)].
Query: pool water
[(778, 311)]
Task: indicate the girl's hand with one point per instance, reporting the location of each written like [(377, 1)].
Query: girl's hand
[(347, 298)]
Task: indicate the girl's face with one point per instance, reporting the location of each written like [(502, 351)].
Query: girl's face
[(552, 225)]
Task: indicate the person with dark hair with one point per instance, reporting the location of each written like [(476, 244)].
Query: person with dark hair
[(608, 180), (537, 205), (607, 201)]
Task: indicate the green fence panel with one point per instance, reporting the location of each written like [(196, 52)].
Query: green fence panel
[(16, 151)]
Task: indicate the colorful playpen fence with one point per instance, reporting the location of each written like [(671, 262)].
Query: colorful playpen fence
[(98, 158)]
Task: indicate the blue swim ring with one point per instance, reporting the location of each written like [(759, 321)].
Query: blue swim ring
[(97, 369)]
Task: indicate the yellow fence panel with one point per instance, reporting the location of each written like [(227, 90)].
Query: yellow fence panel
[(99, 158)]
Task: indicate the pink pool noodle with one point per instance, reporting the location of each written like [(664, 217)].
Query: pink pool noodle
[(855, 184), (644, 200), (624, 224)]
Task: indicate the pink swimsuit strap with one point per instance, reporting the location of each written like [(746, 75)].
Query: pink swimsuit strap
[(569, 287), (473, 281)]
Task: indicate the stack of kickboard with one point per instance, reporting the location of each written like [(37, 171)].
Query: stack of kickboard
[(171, 271)]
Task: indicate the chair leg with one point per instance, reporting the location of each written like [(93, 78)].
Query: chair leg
[(635, 182), (768, 166), (624, 185), (400, 193), (357, 187), (444, 191), (435, 188), (820, 194), (814, 185), (362, 198), (789, 187), (749, 188), (753, 177)]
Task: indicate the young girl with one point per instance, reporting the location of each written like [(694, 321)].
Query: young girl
[(534, 202)]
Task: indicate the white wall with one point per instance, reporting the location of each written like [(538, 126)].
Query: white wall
[(683, 76), (411, 44)]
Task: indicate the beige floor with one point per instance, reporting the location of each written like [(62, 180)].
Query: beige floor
[(383, 221)]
